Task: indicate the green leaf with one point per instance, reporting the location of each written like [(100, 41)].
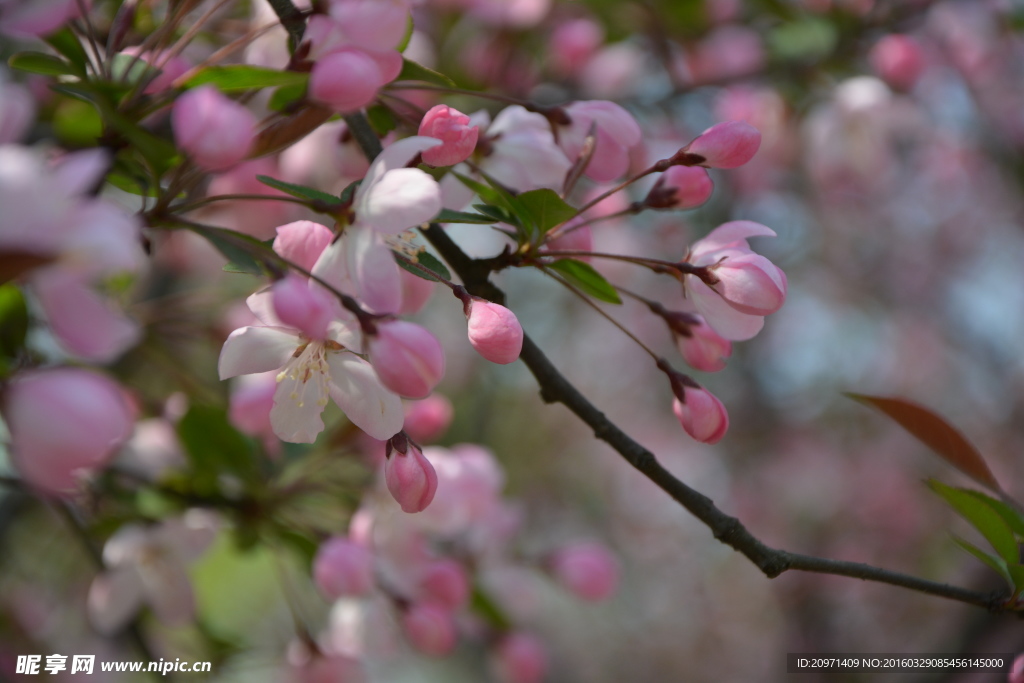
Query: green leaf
[(404, 43), (42, 63), (300, 191), (545, 208), (245, 254), (13, 320), (427, 260), (381, 119), (236, 77), (448, 216), (77, 123), (214, 447), (65, 42), (286, 95), (997, 563), (496, 212), (810, 39), (588, 280), (482, 604), (933, 431), (983, 518), (411, 71), (496, 197), (1013, 517)]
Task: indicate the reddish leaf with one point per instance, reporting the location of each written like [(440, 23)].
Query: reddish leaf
[(937, 434)]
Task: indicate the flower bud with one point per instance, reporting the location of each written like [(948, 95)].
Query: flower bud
[(430, 629), (445, 582), (427, 420), (495, 332), (64, 421), (750, 283), (342, 568), (408, 359), (586, 569), (454, 130), (214, 130), (346, 81), (410, 478), (725, 145), (680, 187), (704, 349), (899, 60), (308, 309), (520, 658), (702, 415)]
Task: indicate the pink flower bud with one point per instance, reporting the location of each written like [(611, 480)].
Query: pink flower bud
[(411, 479), (342, 568), (726, 145), (1017, 670), (445, 582), (586, 569), (408, 359), (308, 309), (750, 283), (702, 416), (454, 130), (430, 629), (64, 421), (214, 130), (495, 332), (346, 81), (681, 187), (302, 242), (704, 349), (427, 420), (520, 658), (899, 60)]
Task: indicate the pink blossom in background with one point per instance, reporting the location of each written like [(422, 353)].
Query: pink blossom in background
[(346, 80), (702, 416), (616, 131), (64, 422), (37, 18), (214, 130), (587, 569), (899, 60), (428, 419), (430, 629), (444, 582), (519, 657), (572, 43), (416, 292), (372, 24), (342, 568)]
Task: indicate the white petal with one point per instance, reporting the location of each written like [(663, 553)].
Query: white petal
[(114, 598), (728, 234), (261, 304), (720, 316), (401, 199), (168, 591), (357, 390), (249, 350), (295, 416), (394, 156)]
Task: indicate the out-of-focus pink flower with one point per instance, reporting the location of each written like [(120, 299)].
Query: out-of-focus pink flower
[(729, 51), (519, 657), (680, 187), (899, 60), (704, 349), (572, 43), (416, 291), (36, 18), (616, 131), (430, 629), (445, 583), (346, 80), (495, 332), (214, 130), (702, 416), (570, 238), (744, 287), (17, 108), (513, 13), (586, 569), (148, 566), (1016, 674), (725, 145), (329, 669), (427, 420), (64, 422), (252, 399), (342, 568), (410, 478), (409, 360), (371, 24), (454, 130)]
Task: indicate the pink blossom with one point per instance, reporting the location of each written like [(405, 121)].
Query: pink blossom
[(342, 568), (586, 569), (372, 24), (64, 422), (1016, 674), (409, 360), (572, 43), (302, 242), (616, 131), (214, 130), (495, 332), (725, 145), (899, 60), (252, 399), (427, 420), (744, 286), (445, 583), (308, 309), (702, 416), (453, 129), (729, 51), (410, 478), (430, 629), (520, 657), (36, 18), (680, 187), (346, 81), (704, 349)]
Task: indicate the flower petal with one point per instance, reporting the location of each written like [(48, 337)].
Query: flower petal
[(249, 350), (720, 316), (728, 234), (295, 416), (358, 391), (401, 199)]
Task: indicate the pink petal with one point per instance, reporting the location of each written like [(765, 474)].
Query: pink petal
[(720, 316), (359, 393)]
